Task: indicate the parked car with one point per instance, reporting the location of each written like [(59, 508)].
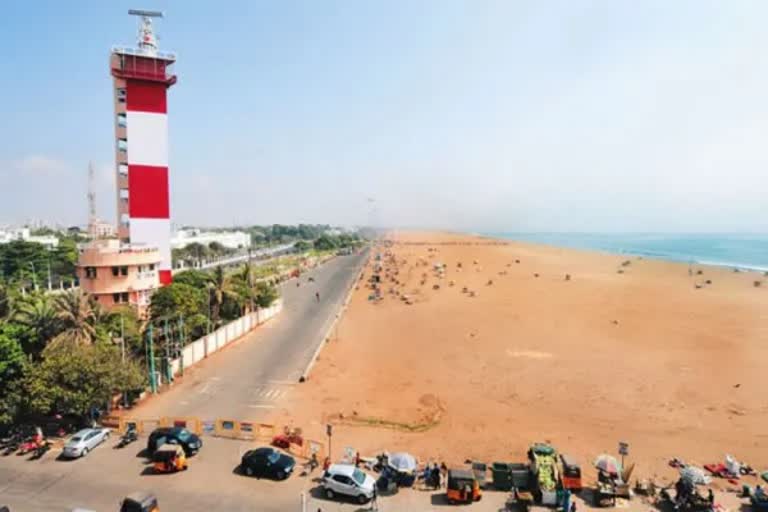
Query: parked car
[(190, 442), (347, 480), (84, 441), (267, 462)]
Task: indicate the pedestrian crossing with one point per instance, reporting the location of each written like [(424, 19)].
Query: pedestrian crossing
[(267, 397)]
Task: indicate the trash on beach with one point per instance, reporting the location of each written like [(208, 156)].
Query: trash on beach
[(435, 286), (451, 283), (535, 275), (489, 283), (567, 277), (464, 290), (620, 271), (517, 261), (473, 294), (474, 262)]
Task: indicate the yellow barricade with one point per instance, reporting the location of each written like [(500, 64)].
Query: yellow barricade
[(227, 428), (125, 422), (190, 423)]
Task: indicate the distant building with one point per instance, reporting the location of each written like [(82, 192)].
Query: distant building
[(228, 239), (116, 273), (23, 234), (101, 229)]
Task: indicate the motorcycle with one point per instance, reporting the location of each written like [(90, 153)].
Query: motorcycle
[(12, 444), (130, 436), (41, 449), (28, 446)]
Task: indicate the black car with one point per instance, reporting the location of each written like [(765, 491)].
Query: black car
[(267, 462), (189, 442)]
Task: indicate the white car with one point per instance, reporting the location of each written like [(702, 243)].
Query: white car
[(84, 441), (347, 480)]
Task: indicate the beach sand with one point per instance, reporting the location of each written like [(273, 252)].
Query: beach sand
[(641, 356)]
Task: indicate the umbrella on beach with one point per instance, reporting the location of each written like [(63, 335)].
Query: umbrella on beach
[(402, 462), (694, 475), (608, 464)]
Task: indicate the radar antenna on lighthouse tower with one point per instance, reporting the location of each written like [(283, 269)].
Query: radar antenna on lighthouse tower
[(147, 42)]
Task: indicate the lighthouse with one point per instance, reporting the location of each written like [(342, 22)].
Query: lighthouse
[(142, 76)]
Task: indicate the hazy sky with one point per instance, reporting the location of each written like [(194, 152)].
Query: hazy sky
[(478, 115)]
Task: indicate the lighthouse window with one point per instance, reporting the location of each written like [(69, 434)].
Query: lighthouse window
[(122, 144), (122, 169), (122, 120), (121, 95)]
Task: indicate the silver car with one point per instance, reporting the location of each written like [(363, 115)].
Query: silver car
[(84, 441)]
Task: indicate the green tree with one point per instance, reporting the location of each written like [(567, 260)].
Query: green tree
[(326, 243), (266, 294), (38, 314), (195, 278), (12, 367), (220, 290), (123, 320), (181, 299), (74, 378), (302, 246), (78, 315), (5, 301)]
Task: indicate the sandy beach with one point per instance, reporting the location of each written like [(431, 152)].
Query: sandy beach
[(487, 358)]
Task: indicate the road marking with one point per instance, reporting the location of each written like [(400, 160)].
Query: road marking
[(261, 406), (283, 382), (271, 394)]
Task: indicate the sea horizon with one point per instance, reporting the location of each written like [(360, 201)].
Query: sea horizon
[(747, 251)]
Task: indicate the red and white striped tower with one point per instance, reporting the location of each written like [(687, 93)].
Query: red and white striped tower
[(141, 77)]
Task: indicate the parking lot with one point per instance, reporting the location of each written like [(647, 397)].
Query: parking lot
[(99, 481)]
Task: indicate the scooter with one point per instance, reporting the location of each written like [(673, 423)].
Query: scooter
[(12, 444), (41, 449), (130, 436), (28, 446)]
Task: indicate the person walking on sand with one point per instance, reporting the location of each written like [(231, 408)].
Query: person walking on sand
[(317, 296)]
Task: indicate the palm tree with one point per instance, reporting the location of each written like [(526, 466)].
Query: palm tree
[(78, 314), (40, 316), (242, 285), (220, 289)]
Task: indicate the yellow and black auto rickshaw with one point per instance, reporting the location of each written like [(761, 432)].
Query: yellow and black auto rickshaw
[(140, 502), (169, 458), (571, 474), (462, 486)]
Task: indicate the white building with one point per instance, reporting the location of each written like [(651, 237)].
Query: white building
[(229, 239), (10, 235)]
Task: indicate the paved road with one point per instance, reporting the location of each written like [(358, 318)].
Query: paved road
[(250, 377)]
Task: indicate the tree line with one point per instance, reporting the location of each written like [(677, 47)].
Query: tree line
[(63, 353)]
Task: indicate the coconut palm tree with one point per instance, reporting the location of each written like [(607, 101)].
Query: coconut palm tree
[(78, 314), (220, 289), (38, 313)]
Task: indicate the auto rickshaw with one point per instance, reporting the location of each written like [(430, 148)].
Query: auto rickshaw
[(140, 502), (169, 458), (571, 475), (462, 486)]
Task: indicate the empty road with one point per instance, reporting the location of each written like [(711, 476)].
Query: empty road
[(251, 376)]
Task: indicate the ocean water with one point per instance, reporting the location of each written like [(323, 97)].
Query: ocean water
[(746, 251)]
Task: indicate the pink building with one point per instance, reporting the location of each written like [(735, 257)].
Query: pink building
[(141, 77), (116, 273)]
